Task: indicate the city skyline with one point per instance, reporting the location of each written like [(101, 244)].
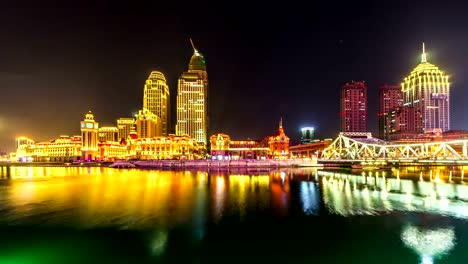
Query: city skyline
[(246, 98)]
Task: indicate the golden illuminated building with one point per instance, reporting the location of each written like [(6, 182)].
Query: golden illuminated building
[(427, 89), (148, 124), (170, 147), (89, 137), (223, 148), (125, 125), (219, 144), (63, 149), (279, 144), (108, 134), (192, 100), (23, 141), (156, 99), (111, 150)]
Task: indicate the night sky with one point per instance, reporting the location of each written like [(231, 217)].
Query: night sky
[(265, 60)]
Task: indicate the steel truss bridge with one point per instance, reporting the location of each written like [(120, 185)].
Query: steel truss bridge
[(363, 147)]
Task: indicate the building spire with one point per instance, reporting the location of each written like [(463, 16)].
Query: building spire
[(280, 129), (193, 46), (423, 56)]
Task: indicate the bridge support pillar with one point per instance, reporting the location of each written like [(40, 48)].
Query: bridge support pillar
[(464, 150)]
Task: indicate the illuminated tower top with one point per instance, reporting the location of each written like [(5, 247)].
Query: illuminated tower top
[(427, 89), (280, 129), (89, 116), (423, 56), (197, 62)]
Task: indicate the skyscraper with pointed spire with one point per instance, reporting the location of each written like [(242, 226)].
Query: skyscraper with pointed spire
[(192, 100), (427, 89)]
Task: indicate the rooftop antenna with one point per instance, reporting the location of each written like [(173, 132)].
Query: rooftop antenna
[(193, 46), (423, 56)]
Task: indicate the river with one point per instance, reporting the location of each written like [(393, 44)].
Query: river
[(105, 215)]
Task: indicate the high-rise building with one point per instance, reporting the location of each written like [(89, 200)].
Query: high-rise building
[(156, 99), (108, 134), (427, 89), (390, 98), (353, 111), (192, 100), (89, 137), (125, 125), (307, 135), (148, 124)]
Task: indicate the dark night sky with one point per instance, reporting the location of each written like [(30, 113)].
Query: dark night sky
[(264, 60)]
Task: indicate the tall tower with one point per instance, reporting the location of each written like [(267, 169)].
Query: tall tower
[(353, 111), (89, 137), (427, 89), (192, 100), (156, 99), (390, 98)]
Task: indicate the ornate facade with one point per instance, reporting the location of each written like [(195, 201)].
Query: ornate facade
[(279, 144)]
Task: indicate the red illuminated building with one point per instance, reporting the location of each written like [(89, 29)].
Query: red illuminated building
[(390, 98), (354, 107)]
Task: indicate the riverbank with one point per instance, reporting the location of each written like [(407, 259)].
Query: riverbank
[(159, 164), (55, 164)]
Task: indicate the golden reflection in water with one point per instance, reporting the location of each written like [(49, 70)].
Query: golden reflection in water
[(238, 193), (106, 196), (132, 198)]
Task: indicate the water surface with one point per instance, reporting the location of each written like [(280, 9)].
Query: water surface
[(104, 215)]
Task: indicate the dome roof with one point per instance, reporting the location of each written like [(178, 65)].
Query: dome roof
[(197, 62)]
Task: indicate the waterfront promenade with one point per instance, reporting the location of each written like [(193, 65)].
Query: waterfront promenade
[(246, 163)]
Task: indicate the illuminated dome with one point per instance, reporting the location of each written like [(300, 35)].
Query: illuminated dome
[(156, 75), (197, 62)]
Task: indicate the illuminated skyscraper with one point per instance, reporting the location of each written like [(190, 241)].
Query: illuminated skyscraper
[(390, 98), (192, 100), (89, 137), (354, 107), (156, 99), (427, 89), (125, 125), (307, 135)]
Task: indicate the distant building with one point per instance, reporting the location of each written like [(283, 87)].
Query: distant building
[(279, 144), (223, 148), (192, 100), (156, 99), (307, 135), (148, 124), (125, 125), (20, 141), (353, 106), (390, 98), (427, 89), (310, 150), (108, 134), (160, 148), (62, 149)]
